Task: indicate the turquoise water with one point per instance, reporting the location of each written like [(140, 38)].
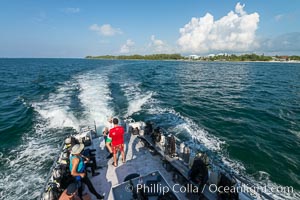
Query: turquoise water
[(248, 113)]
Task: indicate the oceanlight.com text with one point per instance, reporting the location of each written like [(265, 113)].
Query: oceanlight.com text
[(213, 188), (253, 190)]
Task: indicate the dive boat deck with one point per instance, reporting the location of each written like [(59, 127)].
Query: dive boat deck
[(138, 161), (150, 164)]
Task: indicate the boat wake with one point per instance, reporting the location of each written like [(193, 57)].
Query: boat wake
[(95, 97), (56, 109), (136, 98)]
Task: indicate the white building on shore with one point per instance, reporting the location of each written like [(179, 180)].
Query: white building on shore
[(193, 57)]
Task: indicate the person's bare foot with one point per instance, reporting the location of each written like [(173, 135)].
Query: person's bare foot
[(114, 164)]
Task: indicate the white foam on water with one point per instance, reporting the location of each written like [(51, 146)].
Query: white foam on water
[(131, 89), (297, 133), (21, 167), (209, 141), (56, 108), (58, 117), (95, 96), (136, 104), (136, 99), (274, 190), (233, 165)]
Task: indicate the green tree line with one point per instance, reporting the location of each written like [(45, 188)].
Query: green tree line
[(140, 57), (294, 57), (244, 57)]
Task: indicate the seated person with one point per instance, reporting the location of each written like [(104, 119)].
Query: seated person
[(87, 154), (107, 142), (78, 171)]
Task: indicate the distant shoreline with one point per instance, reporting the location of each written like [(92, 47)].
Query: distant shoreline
[(210, 58), (186, 60)]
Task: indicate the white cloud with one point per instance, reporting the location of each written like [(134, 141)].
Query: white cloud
[(233, 32), (71, 10), (127, 47), (279, 17), (105, 30), (156, 42), (240, 9), (157, 46)]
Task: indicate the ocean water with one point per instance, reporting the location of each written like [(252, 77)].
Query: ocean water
[(246, 113)]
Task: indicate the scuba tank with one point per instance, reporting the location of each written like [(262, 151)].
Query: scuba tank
[(168, 146), (191, 160), (148, 128), (203, 157), (68, 140), (181, 147), (186, 155), (181, 150), (53, 192), (158, 137), (57, 173), (136, 131), (173, 146), (162, 140), (155, 135)]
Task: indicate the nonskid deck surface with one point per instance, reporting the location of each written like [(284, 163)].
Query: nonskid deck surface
[(138, 161)]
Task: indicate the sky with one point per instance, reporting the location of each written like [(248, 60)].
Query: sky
[(77, 28)]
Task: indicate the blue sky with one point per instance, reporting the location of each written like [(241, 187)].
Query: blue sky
[(74, 28)]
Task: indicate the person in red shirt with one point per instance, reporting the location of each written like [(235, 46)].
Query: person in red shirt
[(117, 135)]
